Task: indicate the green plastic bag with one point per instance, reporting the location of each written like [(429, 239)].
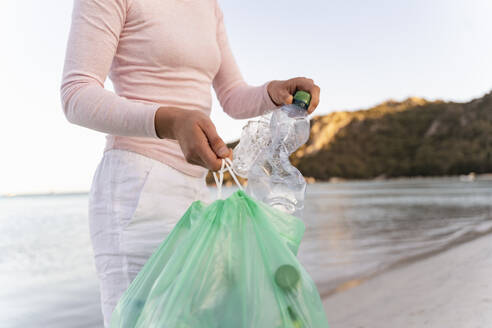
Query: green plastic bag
[(230, 264)]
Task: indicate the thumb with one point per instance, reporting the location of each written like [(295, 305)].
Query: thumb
[(218, 145), (289, 100), (286, 97)]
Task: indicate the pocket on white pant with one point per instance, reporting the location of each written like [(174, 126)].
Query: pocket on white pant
[(129, 176), (164, 199), (116, 189)]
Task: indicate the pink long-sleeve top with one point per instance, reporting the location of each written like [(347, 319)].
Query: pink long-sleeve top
[(157, 53)]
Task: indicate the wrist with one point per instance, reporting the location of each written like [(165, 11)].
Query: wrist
[(165, 122), (270, 88)]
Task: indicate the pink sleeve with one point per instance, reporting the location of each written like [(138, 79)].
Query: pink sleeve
[(94, 36), (237, 98)]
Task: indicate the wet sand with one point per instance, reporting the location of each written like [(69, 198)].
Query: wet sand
[(452, 289)]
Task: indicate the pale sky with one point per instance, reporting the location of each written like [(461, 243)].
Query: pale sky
[(359, 52)]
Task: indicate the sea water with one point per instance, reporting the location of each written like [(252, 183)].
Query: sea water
[(353, 230)]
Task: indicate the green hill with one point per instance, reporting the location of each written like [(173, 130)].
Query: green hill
[(410, 138), (415, 137)]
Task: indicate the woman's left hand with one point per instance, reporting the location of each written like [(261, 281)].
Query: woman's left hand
[(282, 92)]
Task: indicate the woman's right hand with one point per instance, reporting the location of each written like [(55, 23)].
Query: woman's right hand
[(196, 135)]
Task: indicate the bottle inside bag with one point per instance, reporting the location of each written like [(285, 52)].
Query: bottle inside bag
[(262, 156)]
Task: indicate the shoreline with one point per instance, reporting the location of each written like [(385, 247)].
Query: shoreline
[(309, 180), (471, 177), (352, 283), (451, 288)]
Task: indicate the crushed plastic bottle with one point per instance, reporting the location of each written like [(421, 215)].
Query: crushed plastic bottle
[(254, 138), (263, 157)]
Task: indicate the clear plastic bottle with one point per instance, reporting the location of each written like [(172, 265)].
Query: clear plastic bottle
[(254, 138), (271, 177)]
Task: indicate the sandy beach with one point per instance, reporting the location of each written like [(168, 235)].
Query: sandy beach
[(452, 289)]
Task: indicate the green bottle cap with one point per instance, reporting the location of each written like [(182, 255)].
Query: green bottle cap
[(302, 99), (286, 276)]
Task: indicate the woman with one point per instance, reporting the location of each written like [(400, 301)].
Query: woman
[(162, 56)]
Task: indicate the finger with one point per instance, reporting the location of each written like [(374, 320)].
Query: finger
[(286, 97), (195, 160), (315, 94), (205, 152), (191, 154), (305, 84), (308, 85), (292, 85), (216, 142), (302, 83)]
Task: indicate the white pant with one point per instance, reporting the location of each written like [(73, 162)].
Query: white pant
[(134, 204)]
